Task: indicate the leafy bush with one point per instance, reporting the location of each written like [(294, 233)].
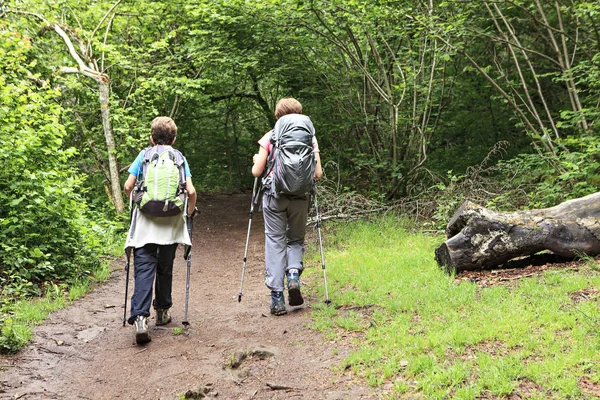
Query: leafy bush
[(527, 181), (42, 216)]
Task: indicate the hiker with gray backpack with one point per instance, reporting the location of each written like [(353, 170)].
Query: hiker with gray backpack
[(290, 154), (163, 201)]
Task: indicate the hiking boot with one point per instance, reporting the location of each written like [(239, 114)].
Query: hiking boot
[(162, 317), (142, 334), (277, 303), (293, 284)]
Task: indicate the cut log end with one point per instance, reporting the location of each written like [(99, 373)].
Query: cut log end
[(443, 258)]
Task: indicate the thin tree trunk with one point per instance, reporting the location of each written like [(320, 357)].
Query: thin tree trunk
[(113, 165), (514, 38), (91, 70), (563, 59)]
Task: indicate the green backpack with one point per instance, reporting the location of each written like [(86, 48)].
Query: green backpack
[(161, 190)]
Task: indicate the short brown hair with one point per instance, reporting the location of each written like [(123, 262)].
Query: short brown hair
[(163, 130), (287, 105)]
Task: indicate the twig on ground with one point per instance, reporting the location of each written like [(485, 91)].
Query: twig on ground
[(273, 386), (60, 353), (512, 278)]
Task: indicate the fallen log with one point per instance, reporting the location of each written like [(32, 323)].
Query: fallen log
[(480, 238)]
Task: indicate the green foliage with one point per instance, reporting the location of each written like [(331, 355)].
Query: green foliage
[(548, 181), (48, 234), (17, 319), (525, 181), (390, 86), (178, 330), (42, 228), (435, 337)]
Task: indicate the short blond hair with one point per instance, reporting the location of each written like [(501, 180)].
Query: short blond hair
[(287, 105), (163, 130)]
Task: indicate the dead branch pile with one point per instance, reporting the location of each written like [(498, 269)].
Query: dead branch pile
[(334, 203)]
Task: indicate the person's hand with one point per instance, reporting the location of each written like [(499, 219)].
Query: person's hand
[(192, 213), (254, 158)]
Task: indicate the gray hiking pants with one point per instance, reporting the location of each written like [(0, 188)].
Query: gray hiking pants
[(285, 225)]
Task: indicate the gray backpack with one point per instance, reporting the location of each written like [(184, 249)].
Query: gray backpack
[(292, 158)]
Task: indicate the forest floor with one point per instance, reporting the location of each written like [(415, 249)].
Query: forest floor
[(84, 352)]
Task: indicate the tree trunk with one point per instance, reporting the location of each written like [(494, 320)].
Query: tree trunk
[(90, 69), (113, 167), (481, 238)]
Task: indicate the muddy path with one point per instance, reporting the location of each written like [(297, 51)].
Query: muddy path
[(84, 352)]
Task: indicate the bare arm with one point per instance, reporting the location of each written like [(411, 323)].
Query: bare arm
[(318, 169), (260, 161), (192, 195), (129, 185)]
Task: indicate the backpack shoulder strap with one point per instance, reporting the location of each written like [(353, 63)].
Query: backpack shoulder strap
[(180, 162), (179, 158), (270, 157), (145, 160)]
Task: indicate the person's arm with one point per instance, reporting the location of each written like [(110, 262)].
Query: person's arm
[(260, 161), (318, 169), (192, 195), (129, 185), (134, 170)]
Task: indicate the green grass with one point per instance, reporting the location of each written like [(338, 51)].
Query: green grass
[(19, 316), (178, 331), (16, 326), (434, 337)]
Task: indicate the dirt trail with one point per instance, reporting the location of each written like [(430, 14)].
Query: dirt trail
[(83, 352)]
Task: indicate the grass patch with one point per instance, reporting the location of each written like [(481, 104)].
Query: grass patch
[(431, 336), (18, 320), (178, 331), (19, 314)]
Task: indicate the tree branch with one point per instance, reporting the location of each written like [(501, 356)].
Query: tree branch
[(89, 44)]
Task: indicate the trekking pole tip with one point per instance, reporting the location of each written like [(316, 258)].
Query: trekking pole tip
[(328, 302), (239, 297)]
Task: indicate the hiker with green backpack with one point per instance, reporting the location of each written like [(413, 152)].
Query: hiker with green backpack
[(290, 153), (163, 199)]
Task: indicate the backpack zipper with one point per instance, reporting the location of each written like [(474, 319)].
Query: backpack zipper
[(156, 179), (166, 207)]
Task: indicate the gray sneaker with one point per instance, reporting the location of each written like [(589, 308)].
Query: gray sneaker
[(142, 334), (162, 317)]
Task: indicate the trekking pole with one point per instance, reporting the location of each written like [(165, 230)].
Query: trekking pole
[(188, 255), (247, 239), (128, 252), (327, 301)]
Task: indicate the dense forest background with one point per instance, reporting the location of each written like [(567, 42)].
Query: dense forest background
[(422, 103)]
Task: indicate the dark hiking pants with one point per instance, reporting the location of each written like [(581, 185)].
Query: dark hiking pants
[(152, 263)]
